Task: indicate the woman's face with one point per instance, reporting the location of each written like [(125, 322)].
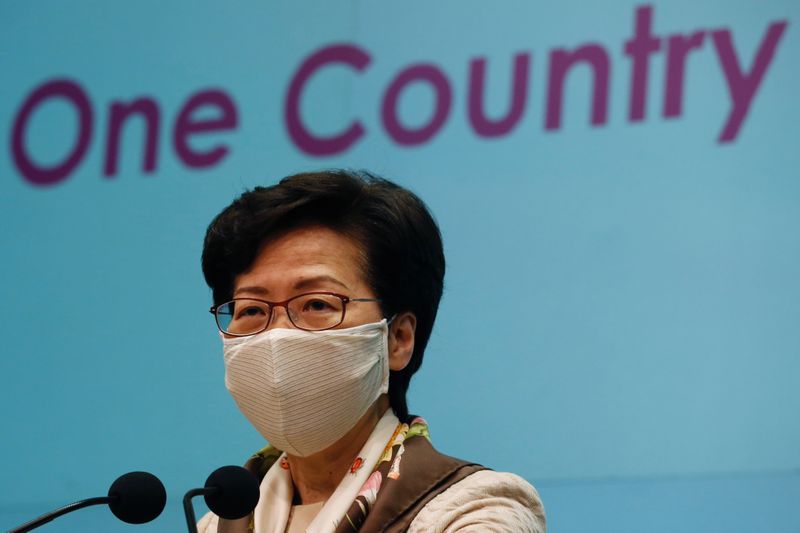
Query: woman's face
[(307, 259)]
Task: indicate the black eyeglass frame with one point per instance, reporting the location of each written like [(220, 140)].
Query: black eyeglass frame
[(285, 304)]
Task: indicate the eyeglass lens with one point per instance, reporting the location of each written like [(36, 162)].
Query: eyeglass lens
[(245, 316)]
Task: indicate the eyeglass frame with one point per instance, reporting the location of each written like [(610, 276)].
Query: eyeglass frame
[(285, 304)]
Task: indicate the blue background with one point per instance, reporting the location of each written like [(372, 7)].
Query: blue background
[(619, 323)]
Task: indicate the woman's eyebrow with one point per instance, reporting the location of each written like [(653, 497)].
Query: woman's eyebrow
[(254, 289), (309, 282), (300, 285)]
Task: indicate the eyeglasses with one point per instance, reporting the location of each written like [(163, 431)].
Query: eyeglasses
[(311, 311)]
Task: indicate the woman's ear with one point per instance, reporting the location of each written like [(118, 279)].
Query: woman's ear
[(401, 340)]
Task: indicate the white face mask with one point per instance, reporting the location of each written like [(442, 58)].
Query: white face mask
[(303, 390)]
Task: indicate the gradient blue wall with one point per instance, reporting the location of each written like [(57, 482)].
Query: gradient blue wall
[(619, 324)]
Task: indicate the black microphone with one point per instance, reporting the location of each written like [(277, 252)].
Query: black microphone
[(135, 498), (230, 492)]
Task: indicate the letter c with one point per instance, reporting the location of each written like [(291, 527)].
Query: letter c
[(36, 174), (305, 140)]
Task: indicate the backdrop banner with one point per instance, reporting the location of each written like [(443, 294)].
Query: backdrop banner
[(617, 187)]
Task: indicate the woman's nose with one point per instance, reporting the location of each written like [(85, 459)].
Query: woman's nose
[(280, 319)]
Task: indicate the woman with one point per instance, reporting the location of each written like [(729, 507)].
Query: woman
[(325, 288)]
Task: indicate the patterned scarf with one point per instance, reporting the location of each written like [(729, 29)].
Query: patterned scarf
[(387, 467)]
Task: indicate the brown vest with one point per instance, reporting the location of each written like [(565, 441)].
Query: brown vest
[(424, 474)]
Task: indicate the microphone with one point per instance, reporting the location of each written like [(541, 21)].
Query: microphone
[(230, 492), (135, 498)]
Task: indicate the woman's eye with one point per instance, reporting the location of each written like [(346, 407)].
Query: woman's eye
[(250, 311), (317, 305)]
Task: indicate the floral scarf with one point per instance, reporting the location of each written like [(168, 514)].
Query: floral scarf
[(387, 466)]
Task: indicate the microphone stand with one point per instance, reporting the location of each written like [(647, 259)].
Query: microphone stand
[(188, 508), (36, 522)]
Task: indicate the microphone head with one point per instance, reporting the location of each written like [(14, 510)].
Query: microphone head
[(137, 497), (236, 495)]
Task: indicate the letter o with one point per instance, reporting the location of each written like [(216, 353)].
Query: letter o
[(37, 174), (444, 95)]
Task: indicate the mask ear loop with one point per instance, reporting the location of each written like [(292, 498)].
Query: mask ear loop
[(389, 321)]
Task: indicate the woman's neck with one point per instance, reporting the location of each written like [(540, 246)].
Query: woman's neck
[(316, 477)]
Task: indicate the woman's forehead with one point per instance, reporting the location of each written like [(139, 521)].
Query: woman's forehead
[(306, 258)]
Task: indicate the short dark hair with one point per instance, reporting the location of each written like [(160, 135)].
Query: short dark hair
[(400, 239)]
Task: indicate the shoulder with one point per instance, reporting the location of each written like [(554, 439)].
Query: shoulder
[(485, 501), (208, 523)]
